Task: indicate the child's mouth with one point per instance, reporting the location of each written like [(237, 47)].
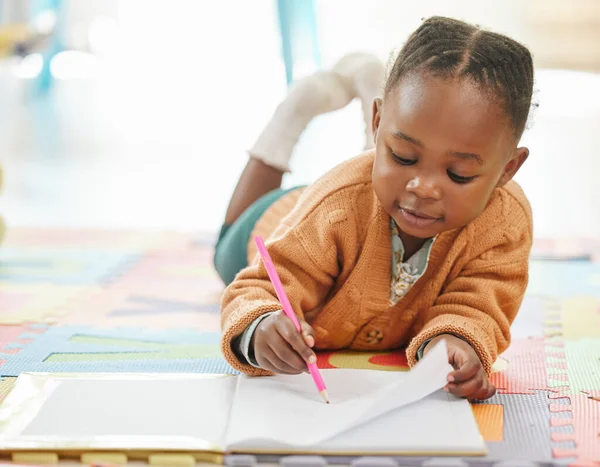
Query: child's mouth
[(417, 219)]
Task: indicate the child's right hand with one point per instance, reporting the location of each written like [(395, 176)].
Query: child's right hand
[(280, 348)]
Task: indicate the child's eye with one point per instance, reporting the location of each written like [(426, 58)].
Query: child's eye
[(458, 179), (403, 160)]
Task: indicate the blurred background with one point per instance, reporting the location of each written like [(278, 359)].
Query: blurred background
[(137, 114)]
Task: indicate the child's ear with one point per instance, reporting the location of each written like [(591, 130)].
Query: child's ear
[(513, 165), (377, 106)]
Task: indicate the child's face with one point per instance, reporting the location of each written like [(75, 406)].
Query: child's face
[(442, 146)]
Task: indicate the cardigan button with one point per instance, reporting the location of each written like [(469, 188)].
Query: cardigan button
[(374, 337)]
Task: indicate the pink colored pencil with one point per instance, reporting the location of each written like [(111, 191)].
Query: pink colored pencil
[(287, 309)]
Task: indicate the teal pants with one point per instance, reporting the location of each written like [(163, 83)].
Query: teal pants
[(231, 250)]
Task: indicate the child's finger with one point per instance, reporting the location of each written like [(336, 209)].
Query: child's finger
[(308, 333), (486, 391), (467, 388), (290, 334), (464, 373), (269, 360), (287, 353), (284, 361), (491, 391)]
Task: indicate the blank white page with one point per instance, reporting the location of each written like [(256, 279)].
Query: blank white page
[(288, 409), (440, 424), (158, 411)]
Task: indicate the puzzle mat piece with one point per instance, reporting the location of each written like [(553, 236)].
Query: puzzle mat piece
[(10, 334), (188, 276), (527, 432), (582, 416), (22, 303), (387, 361), (6, 385), (530, 319), (12, 338), (158, 309), (194, 263), (490, 420), (183, 285), (61, 266), (526, 369), (193, 270), (578, 369), (97, 239), (208, 289), (563, 279), (573, 317), (87, 349), (186, 287)]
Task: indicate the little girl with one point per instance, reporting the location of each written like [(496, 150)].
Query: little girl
[(423, 237)]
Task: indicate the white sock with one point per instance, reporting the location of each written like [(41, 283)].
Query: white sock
[(316, 94), (364, 74)]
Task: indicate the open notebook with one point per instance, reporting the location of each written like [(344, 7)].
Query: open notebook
[(371, 412)]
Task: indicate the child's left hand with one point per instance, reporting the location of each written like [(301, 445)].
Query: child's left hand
[(469, 379)]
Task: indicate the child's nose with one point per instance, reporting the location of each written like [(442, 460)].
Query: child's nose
[(424, 188)]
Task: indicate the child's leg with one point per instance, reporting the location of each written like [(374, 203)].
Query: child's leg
[(231, 251), (256, 180), (363, 74), (355, 75), (260, 182), (319, 93)]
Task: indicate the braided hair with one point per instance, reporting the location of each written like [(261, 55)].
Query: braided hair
[(450, 48)]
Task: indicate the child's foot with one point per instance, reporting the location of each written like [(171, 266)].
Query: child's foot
[(322, 92), (363, 74)]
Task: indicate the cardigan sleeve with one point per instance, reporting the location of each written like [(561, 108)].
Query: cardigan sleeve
[(480, 304), (304, 250)]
